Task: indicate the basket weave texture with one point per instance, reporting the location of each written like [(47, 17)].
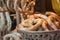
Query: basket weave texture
[(36, 35)]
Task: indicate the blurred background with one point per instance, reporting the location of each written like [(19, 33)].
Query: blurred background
[(43, 6)]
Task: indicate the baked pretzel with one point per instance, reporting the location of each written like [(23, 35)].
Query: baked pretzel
[(30, 25), (28, 21), (33, 22), (50, 22), (45, 25), (48, 19), (54, 15), (36, 26), (57, 18), (57, 24), (41, 16), (23, 22)]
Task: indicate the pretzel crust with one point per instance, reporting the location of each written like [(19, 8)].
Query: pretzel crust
[(29, 23), (35, 21)]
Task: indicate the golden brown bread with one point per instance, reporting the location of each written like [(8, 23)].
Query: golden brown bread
[(50, 21)]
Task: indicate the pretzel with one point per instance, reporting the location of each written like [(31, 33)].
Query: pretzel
[(54, 15), (44, 25), (48, 19), (57, 24), (41, 16), (50, 22), (30, 25), (23, 21), (33, 22), (36, 26), (28, 21)]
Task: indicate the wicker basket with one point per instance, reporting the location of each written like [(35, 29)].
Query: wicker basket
[(40, 35)]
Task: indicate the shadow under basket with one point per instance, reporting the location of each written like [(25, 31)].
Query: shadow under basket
[(40, 35)]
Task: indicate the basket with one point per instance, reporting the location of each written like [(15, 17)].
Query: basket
[(40, 35)]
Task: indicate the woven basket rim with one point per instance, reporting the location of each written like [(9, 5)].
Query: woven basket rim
[(39, 31)]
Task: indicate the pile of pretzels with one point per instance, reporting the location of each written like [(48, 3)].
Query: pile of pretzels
[(48, 21)]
